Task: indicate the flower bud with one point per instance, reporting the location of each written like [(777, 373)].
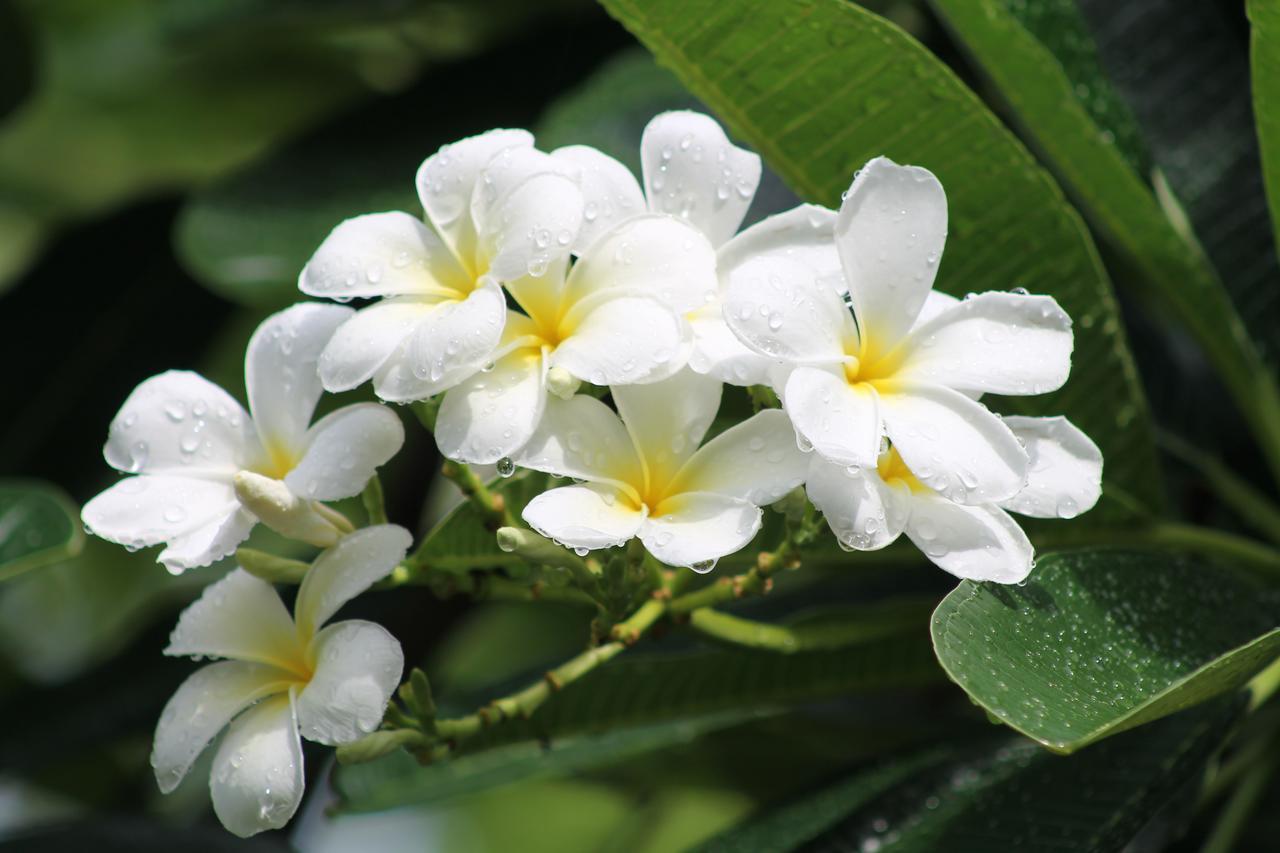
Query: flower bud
[(279, 508)]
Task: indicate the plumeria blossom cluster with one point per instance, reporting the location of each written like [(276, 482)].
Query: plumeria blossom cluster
[(536, 286)]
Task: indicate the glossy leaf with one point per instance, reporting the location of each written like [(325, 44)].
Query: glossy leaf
[(38, 525), (1047, 103), (1001, 794), (818, 87), (1102, 641)]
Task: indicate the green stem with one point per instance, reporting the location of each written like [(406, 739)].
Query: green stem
[(870, 623), (1244, 799), (1249, 502), (492, 507), (523, 703), (372, 498)]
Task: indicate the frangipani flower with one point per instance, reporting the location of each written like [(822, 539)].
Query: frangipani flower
[(207, 471), (496, 210), (692, 171), (646, 476), (614, 319), (861, 374), (867, 508), (328, 685)]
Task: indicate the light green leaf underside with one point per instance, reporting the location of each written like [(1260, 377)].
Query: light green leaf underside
[(998, 795), (39, 525), (1264, 54), (818, 87), (1102, 641), (1117, 200)]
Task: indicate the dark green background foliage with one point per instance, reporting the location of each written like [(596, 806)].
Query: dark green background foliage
[(167, 166)]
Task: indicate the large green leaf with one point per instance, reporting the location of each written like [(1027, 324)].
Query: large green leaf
[(1046, 99), (818, 87), (1264, 17), (38, 525), (1001, 794), (461, 542), (1102, 641)]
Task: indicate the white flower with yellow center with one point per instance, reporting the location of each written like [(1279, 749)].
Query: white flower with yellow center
[(283, 677), (867, 508), (613, 319), (873, 368), (645, 475), (496, 210), (207, 471)]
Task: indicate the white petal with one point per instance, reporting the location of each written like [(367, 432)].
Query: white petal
[(139, 512), (447, 179), (805, 233), (863, 511), (657, 255), (778, 307), (180, 423), (934, 304), (622, 340), (505, 172), (204, 704), (668, 419), (491, 415), (532, 227), (610, 193), (584, 516), (361, 346), (717, 352), (449, 344), (257, 778), (343, 450), (358, 666), (891, 232), (239, 617), (954, 445), (840, 421), (383, 254), (1064, 475), (692, 170), (347, 569), (756, 460), (980, 543), (696, 528), (999, 343), (208, 543), (280, 371), (583, 438)]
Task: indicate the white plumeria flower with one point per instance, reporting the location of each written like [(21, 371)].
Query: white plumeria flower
[(207, 472), (328, 685), (496, 210), (868, 508), (614, 319), (692, 171), (645, 475), (857, 375)]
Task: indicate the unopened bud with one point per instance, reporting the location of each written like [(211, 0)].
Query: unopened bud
[(562, 383), (375, 745), (276, 506), (270, 567), (536, 549)]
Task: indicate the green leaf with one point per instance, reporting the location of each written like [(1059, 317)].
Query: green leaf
[(1001, 794), (1046, 101), (1264, 54), (819, 87), (1102, 641), (399, 780), (38, 525)]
